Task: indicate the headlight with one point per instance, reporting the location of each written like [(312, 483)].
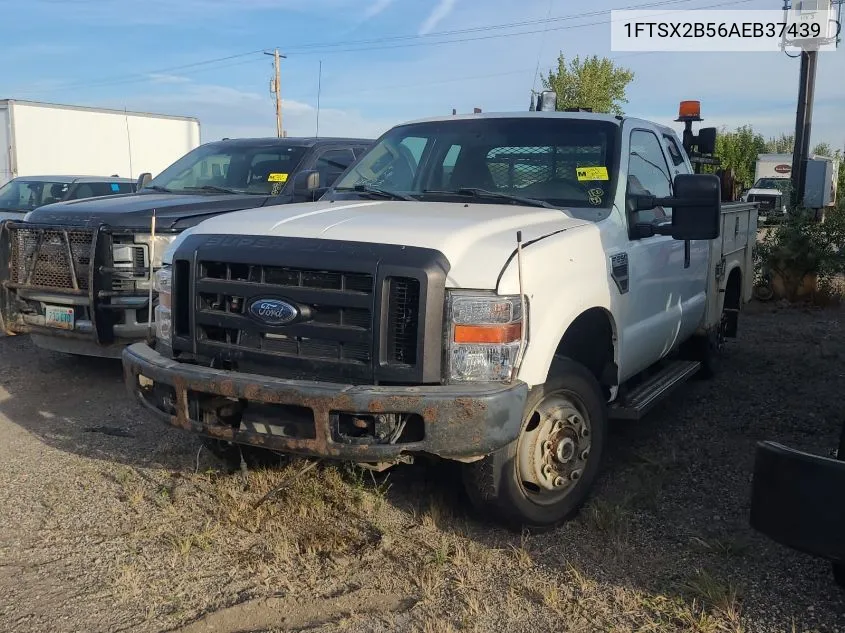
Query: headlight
[(484, 334), (132, 257), (161, 244), (163, 285)]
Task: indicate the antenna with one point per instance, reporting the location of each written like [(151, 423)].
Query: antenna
[(523, 335), (319, 85), (128, 140), (152, 258)]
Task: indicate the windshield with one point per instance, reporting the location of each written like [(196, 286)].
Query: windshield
[(26, 195), (772, 183), (262, 169), (565, 162)]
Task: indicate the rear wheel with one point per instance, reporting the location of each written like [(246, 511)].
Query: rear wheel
[(544, 476), (707, 349), (839, 574)]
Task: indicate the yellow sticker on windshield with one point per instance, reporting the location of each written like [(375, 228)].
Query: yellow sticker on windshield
[(277, 178), (591, 173)]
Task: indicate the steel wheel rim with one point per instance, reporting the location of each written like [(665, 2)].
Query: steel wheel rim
[(554, 448)]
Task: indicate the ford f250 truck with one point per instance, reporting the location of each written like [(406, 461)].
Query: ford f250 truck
[(76, 275), (488, 288)]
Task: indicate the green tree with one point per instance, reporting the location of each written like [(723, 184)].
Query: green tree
[(595, 83), (782, 144), (738, 151), (824, 149)]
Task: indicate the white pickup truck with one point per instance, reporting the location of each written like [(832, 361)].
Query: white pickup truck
[(489, 288)]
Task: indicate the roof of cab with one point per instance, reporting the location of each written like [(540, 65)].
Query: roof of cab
[(299, 141), (593, 116), (73, 179)]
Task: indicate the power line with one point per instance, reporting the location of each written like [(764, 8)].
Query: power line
[(311, 49), (489, 37), (491, 27)]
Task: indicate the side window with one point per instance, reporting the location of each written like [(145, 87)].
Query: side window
[(331, 164), (416, 146), (674, 151), (448, 166), (648, 174)]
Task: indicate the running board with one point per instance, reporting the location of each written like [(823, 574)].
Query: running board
[(645, 396)]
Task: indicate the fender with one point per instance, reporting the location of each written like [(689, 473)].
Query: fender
[(564, 275)]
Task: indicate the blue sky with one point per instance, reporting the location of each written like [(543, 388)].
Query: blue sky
[(157, 56)]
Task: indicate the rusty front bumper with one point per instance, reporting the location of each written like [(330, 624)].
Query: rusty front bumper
[(455, 422)]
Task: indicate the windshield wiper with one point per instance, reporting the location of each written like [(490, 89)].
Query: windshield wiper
[(158, 188), (378, 191), (484, 193), (222, 190)]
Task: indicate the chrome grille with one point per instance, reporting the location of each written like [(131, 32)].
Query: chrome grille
[(339, 328), (51, 258)]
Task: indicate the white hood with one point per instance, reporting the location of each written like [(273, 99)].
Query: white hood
[(477, 239), (765, 192)]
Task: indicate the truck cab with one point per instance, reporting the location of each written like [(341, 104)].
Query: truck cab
[(488, 289), (76, 275)]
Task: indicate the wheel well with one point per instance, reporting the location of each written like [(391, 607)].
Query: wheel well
[(731, 305), (589, 341)]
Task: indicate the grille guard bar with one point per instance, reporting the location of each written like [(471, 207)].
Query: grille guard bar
[(95, 286)]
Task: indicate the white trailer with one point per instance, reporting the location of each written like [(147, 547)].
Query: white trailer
[(45, 138)]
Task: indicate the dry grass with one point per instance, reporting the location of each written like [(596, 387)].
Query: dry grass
[(311, 530), (715, 594)]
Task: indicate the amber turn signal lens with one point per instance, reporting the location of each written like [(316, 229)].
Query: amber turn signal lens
[(488, 333)]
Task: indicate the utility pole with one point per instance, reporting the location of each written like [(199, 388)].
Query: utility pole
[(277, 89), (803, 125), (807, 79)]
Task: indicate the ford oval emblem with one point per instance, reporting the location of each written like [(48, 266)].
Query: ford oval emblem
[(273, 311)]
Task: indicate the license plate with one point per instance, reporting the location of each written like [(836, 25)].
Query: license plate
[(59, 317)]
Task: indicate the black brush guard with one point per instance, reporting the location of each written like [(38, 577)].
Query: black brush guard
[(63, 262), (798, 499)]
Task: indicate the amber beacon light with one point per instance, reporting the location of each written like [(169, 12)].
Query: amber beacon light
[(689, 111)]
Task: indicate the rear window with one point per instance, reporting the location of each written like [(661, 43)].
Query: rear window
[(97, 189)]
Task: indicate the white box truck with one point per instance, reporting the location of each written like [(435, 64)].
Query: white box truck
[(38, 139), (773, 181)]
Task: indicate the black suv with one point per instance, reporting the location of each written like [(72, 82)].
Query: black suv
[(76, 275)]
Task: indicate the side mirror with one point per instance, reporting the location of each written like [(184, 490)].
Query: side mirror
[(696, 208), (306, 184), (707, 140), (143, 179)]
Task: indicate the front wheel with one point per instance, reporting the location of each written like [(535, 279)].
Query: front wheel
[(544, 476)]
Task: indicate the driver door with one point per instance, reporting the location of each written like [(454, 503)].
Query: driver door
[(664, 301)]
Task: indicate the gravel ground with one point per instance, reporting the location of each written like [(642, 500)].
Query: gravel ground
[(111, 522)]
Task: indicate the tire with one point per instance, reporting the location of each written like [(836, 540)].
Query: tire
[(707, 350), (703, 350), (505, 485), (230, 453), (839, 574)]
